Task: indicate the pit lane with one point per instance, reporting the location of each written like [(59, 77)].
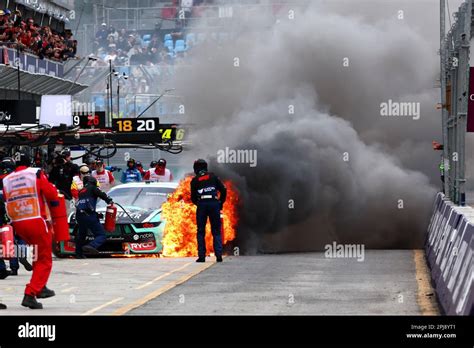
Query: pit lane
[(386, 282), (100, 286)]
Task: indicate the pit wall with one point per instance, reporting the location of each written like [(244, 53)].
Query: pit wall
[(450, 253)]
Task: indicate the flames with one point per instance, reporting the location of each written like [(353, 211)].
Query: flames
[(179, 237)]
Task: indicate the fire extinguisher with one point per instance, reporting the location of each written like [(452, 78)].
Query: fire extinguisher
[(7, 241), (59, 216), (110, 218)]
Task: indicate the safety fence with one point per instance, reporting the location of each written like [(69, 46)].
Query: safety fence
[(450, 254)]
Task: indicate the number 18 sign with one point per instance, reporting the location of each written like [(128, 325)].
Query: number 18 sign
[(136, 125)]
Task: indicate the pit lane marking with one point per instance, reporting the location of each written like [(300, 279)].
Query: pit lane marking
[(428, 304), (93, 310), (160, 291), (162, 276), (69, 289)]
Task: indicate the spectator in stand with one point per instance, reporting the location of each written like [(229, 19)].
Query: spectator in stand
[(2, 21), (29, 36), (138, 39), (155, 55), (113, 33), (121, 43), (122, 58), (146, 56), (101, 35), (111, 56), (111, 42), (136, 56), (131, 42), (154, 42)]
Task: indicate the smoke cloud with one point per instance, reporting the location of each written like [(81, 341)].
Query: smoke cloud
[(306, 94)]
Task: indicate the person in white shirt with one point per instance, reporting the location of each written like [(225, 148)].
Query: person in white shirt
[(160, 173), (103, 176)]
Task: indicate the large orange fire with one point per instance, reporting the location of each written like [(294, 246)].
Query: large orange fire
[(179, 237)]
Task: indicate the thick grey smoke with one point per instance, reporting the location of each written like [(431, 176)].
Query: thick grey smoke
[(352, 175)]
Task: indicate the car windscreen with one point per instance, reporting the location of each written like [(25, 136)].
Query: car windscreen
[(144, 198)]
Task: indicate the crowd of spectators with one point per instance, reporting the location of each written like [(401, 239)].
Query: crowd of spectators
[(32, 37), (129, 48)]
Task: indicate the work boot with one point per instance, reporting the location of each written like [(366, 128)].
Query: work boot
[(14, 272), (30, 302), (2, 306), (45, 293), (90, 250), (219, 258), (4, 273), (201, 259), (26, 264)]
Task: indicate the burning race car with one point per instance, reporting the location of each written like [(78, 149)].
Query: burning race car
[(142, 235)]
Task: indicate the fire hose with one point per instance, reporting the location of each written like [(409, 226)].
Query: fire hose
[(133, 220)]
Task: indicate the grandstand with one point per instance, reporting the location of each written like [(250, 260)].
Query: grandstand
[(34, 46), (151, 40)]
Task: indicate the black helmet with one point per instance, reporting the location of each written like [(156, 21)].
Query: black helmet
[(161, 162), (99, 161), (199, 166), (88, 160), (89, 180), (153, 164), (23, 158), (132, 161), (139, 164), (66, 152), (7, 165)]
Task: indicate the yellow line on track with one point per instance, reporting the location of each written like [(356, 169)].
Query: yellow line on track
[(69, 289), (93, 310), (426, 296), (160, 291), (162, 276)]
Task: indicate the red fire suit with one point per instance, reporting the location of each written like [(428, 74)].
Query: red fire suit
[(26, 191)]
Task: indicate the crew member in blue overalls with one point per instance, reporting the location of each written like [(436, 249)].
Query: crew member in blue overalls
[(131, 174), (204, 189), (87, 217)]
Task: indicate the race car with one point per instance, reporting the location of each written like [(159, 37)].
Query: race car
[(142, 202)]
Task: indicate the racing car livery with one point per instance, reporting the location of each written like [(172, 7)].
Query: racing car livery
[(142, 235)]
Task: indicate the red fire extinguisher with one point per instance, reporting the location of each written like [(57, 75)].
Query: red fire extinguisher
[(59, 216), (110, 218), (7, 241)]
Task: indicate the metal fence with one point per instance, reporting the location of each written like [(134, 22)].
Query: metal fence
[(454, 53)]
